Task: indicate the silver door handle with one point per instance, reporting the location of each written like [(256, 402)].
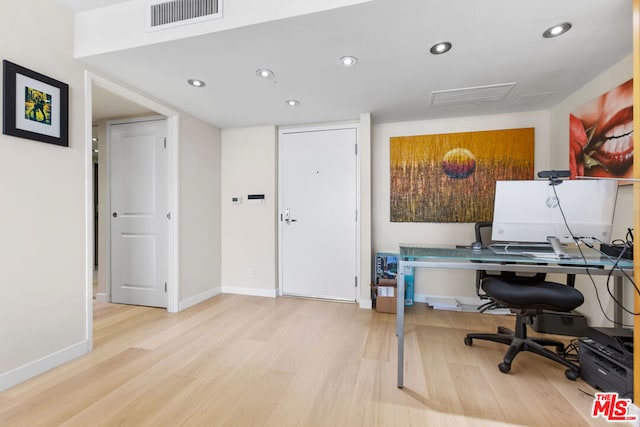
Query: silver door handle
[(287, 217)]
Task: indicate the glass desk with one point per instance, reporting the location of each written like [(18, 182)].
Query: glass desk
[(420, 256)]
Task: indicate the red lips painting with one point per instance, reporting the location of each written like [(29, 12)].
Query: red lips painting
[(601, 135)]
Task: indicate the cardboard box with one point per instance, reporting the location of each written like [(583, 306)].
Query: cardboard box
[(387, 282), (386, 304), (386, 294)]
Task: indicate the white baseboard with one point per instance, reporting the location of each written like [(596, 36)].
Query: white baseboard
[(197, 299), (102, 297), (37, 367), (366, 304), (270, 293)]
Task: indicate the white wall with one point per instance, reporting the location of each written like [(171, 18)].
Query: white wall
[(44, 294), (249, 233), (387, 235), (559, 150), (200, 216)]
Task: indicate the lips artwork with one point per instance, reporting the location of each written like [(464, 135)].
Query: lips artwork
[(601, 135)]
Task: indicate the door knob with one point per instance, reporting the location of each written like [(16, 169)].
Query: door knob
[(115, 214)]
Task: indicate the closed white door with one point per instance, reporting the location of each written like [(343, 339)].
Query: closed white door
[(318, 213), (139, 216)]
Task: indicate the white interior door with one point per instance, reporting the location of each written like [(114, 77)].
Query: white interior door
[(139, 216), (318, 213)]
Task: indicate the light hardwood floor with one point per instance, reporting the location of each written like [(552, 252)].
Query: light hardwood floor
[(248, 361)]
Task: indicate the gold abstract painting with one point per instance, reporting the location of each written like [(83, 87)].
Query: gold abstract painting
[(451, 177)]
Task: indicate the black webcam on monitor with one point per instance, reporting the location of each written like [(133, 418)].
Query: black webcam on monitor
[(554, 176)]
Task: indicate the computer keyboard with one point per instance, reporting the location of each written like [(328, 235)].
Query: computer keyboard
[(547, 255), (521, 248)]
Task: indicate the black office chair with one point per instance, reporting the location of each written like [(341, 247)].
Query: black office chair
[(526, 296), (483, 235)]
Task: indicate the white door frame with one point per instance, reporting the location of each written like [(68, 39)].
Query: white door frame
[(337, 126), (173, 144)]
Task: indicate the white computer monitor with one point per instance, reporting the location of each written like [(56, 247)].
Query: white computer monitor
[(528, 211)]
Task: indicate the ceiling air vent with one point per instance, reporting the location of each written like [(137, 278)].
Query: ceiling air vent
[(471, 95), (178, 12)]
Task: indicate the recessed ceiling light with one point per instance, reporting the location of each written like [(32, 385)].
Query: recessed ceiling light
[(349, 61), (440, 48), (292, 102), (196, 83), (264, 73), (557, 30)]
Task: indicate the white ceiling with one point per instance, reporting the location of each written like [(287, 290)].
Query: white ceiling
[(107, 105), (494, 42), (80, 5)]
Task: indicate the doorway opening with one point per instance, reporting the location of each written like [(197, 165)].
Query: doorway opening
[(107, 100)]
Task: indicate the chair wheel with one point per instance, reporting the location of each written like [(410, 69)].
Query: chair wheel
[(504, 368), (468, 341), (571, 374)]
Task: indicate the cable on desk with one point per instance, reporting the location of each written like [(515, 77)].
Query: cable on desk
[(615, 262), (614, 267), (628, 243)]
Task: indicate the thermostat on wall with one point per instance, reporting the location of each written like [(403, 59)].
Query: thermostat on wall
[(255, 198)]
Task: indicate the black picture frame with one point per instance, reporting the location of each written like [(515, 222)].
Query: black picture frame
[(34, 106)]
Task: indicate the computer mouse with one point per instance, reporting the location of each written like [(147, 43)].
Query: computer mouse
[(476, 246)]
